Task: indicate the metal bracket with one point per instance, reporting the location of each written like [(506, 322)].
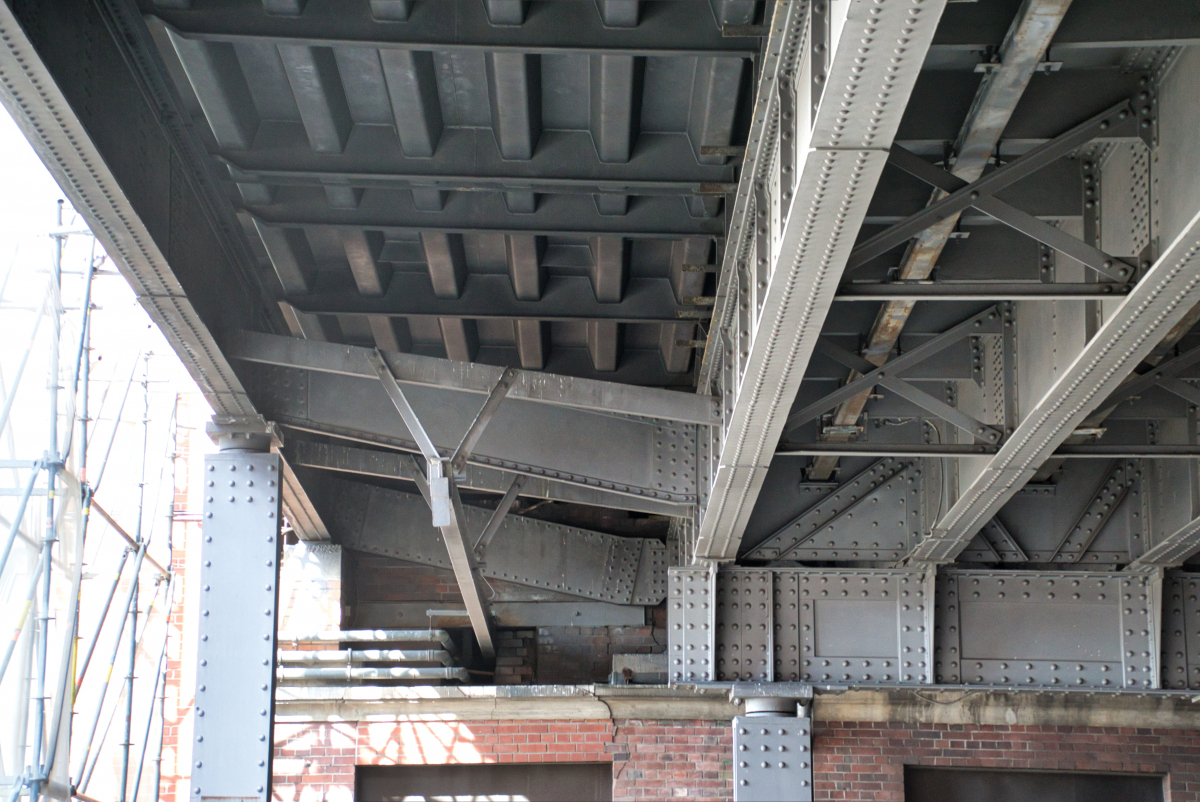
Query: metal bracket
[(1104, 503)]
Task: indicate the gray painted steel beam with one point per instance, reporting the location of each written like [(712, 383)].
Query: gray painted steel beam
[(710, 121), (462, 26), (412, 89), (1169, 289), (362, 250), (652, 217), (524, 551), (604, 343), (290, 256), (615, 85), (317, 87), (568, 169), (987, 291), (467, 570), (212, 69), (515, 91), (396, 465), (409, 369), (619, 13), (795, 283), (489, 296)]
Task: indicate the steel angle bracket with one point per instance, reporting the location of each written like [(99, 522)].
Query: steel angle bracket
[(1181, 631), (691, 649), (994, 543), (865, 518), (1107, 498), (1041, 629)]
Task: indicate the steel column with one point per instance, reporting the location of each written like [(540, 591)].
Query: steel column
[(235, 676)]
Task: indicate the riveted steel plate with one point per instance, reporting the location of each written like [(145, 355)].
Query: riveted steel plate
[(862, 627), (772, 759), (1046, 629), (744, 633), (787, 626), (525, 550), (651, 584), (1181, 631), (235, 676), (874, 516), (690, 624)]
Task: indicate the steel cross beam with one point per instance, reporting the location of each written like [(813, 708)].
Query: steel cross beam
[(1168, 291), (986, 322), (816, 149), (902, 388), (444, 500), (1171, 550), (995, 101)]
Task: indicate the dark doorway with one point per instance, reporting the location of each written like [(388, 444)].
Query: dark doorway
[(966, 785), (574, 782)]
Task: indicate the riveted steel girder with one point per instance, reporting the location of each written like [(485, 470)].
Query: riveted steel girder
[(783, 263)]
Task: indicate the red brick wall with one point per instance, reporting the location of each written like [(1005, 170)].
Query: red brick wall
[(865, 761), (661, 760), (651, 759)]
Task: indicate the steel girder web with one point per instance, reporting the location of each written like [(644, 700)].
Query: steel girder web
[(816, 150), (1167, 292), (601, 435)]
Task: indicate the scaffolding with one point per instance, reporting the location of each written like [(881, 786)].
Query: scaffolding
[(85, 603)]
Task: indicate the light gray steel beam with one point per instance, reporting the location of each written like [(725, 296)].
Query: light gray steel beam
[(615, 86), (525, 268), (608, 398), (502, 508), (524, 551), (303, 324), (462, 558), (391, 10), (761, 341), (412, 88), (302, 515), (390, 334), (398, 465), (1171, 551), (515, 91), (317, 87), (344, 656), (533, 343), (447, 263), (987, 291), (1167, 292), (505, 12), (328, 673), (458, 460)]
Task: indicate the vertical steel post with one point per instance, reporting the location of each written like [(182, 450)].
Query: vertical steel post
[(235, 677), (52, 458)]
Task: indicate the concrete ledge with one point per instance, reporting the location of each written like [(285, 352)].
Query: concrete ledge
[(1162, 710)]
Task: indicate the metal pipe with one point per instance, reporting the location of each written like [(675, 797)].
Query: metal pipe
[(16, 521), (158, 672), (382, 635), (34, 579), (91, 648), (112, 713), (350, 673), (367, 655), (133, 644), (137, 567), (122, 793), (116, 426), (51, 533), (162, 699)]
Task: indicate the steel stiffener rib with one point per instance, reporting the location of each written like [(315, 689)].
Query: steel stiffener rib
[(1165, 294), (837, 161)]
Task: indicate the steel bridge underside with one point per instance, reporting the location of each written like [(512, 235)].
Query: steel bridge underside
[(877, 304)]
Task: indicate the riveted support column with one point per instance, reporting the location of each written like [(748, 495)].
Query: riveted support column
[(772, 744), (235, 672)]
